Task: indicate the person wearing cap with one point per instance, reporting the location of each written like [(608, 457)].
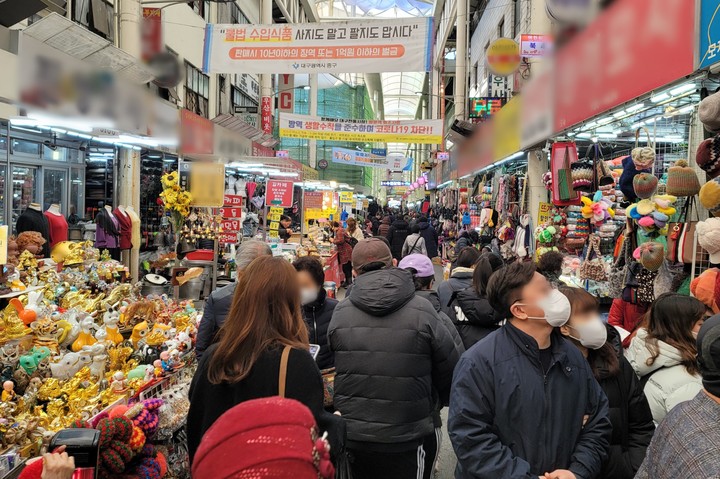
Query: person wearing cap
[(423, 275), (662, 353), (393, 359), (217, 306), (687, 441)]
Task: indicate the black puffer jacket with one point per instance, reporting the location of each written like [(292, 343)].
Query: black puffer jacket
[(397, 234), (317, 316), (473, 316), (391, 351), (431, 238), (434, 299), (630, 414)]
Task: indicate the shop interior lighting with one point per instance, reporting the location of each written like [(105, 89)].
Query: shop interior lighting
[(58, 130), (619, 114), (686, 109), (682, 89), (635, 107), (659, 98)]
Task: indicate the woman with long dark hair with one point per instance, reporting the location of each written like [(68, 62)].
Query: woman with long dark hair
[(245, 363), (664, 354), (630, 414)]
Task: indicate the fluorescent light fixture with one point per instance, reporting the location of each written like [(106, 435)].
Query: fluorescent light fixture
[(594, 139), (619, 114), (58, 130), (591, 125), (637, 125), (333, 184), (466, 176), (584, 135), (22, 122), (634, 108), (659, 98), (604, 121), (686, 109), (607, 136), (284, 174), (682, 89)]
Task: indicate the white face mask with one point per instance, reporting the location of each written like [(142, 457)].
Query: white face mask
[(556, 307), (593, 333), (308, 295)]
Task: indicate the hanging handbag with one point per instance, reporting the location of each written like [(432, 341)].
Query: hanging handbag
[(643, 156), (328, 379), (618, 273), (562, 156), (681, 237), (593, 269)]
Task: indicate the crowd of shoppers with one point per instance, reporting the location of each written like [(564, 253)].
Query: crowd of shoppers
[(537, 384)]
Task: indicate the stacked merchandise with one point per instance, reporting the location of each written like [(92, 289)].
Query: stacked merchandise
[(76, 341)]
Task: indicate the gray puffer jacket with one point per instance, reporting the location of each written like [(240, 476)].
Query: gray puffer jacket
[(391, 351)]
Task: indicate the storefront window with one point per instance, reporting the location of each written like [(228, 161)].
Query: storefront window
[(26, 147), (54, 184), (59, 153), (77, 191), (24, 188)]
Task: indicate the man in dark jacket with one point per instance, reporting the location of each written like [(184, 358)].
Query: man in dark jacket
[(397, 234), (392, 354), (473, 316), (430, 236), (217, 306), (524, 402), (317, 308)]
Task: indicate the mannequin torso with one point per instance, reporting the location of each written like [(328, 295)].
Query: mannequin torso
[(57, 224)]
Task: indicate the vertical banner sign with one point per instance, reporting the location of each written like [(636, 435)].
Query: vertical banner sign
[(286, 93), (709, 33), (204, 181), (544, 212), (274, 221), (266, 115), (151, 33), (397, 45), (280, 193), (3, 244)]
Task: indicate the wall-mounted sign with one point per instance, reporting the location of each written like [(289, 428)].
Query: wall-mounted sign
[(709, 33), (323, 164), (484, 108), (280, 193), (535, 45), (204, 181), (239, 110), (443, 155), (282, 154), (266, 120), (151, 34), (286, 93), (231, 212), (503, 56), (346, 197), (394, 183), (498, 87), (233, 200)]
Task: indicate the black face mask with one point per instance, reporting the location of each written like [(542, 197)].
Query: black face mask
[(708, 344)]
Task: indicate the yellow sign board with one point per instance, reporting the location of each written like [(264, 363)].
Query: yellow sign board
[(3, 244), (503, 56), (274, 225), (207, 183), (346, 197), (506, 128), (313, 213), (544, 212), (273, 234)]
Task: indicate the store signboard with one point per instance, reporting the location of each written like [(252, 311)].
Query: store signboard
[(360, 131), (532, 46), (205, 181), (484, 108), (282, 154), (394, 183), (544, 212), (373, 158), (197, 134), (225, 238), (709, 33), (263, 151), (346, 197), (632, 48), (313, 199), (231, 212), (266, 120), (280, 193), (233, 200), (443, 156), (498, 86), (151, 33), (374, 46), (286, 93), (506, 126), (503, 56), (231, 226), (229, 144), (536, 116)]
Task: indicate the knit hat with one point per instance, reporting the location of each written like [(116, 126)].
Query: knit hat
[(706, 288), (626, 179), (268, 437), (582, 175), (709, 113), (644, 185), (682, 180), (710, 196), (420, 263), (371, 250), (708, 354), (709, 238), (708, 156), (651, 255)]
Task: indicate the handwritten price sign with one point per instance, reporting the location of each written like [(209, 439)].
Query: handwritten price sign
[(233, 200), (227, 238), (231, 212), (230, 226)]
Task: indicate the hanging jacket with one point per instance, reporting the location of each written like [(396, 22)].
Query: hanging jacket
[(317, 317), (508, 419), (630, 414), (391, 353), (473, 316), (431, 238), (670, 383), (460, 278), (399, 231)]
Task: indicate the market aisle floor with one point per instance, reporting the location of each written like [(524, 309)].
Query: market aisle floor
[(446, 461)]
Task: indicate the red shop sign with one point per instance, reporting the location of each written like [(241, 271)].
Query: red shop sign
[(233, 200), (313, 199), (227, 238), (196, 134), (632, 48), (280, 193), (231, 212), (266, 115), (151, 33), (259, 150), (231, 226)]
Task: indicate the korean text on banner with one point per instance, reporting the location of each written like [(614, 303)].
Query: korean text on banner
[(376, 158), (204, 181), (655, 37), (280, 193), (361, 131), (398, 45), (312, 200), (346, 197), (709, 33), (544, 212)]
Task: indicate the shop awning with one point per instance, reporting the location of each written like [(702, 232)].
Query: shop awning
[(248, 131), (75, 40)]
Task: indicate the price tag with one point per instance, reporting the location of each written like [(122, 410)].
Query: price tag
[(275, 225), (230, 226), (233, 200), (231, 212), (274, 234)]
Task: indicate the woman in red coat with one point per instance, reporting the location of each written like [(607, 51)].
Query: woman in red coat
[(342, 242), (627, 316)]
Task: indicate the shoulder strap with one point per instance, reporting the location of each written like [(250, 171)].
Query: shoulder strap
[(416, 242), (283, 371), (644, 380)]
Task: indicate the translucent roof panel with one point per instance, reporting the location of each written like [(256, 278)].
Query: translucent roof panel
[(400, 94), (374, 8)]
